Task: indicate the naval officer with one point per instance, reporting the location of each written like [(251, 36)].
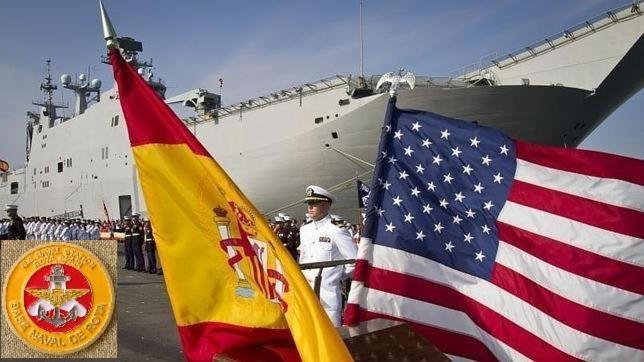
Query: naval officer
[(321, 240), (16, 229)]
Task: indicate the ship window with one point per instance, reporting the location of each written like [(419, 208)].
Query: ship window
[(116, 120), (14, 188), (319, 120), (46, 169), (334, 135), (104, 153), (68, 162), (60, 167), (344, 102)]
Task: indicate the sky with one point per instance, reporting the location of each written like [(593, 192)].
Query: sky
[(262, 46)]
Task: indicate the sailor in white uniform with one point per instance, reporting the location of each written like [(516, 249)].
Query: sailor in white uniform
[(321, 240), (65, 232)]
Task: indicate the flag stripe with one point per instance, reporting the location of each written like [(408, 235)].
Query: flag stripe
[(609, 191), (593, 239), (584, 291), (577, 316), (590, 212), (149, 120), (505, 304), (200, 341), (586, 162), (433, 304), (447, 341), (574, 260)]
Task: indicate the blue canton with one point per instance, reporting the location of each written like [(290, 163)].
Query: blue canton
[(439, 188)]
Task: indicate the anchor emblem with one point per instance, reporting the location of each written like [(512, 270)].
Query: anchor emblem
[(57, 298)]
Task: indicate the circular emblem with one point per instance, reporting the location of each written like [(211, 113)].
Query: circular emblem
[(58, 298)]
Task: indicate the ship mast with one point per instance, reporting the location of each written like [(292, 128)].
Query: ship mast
[(48, 105), (361, 44)]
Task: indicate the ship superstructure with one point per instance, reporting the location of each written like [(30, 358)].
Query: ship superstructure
[(326, 132)]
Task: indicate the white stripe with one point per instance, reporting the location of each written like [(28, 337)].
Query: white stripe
[(528, 317), (588, 292), (433, 315), (596, 240), (606, 190)]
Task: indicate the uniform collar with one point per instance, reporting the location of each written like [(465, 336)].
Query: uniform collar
[(322, 221)]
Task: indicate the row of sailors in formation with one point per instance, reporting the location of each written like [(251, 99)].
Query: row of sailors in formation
[(58, 229), (284, 221)]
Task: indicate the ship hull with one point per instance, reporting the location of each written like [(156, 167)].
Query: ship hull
[(275, 176)]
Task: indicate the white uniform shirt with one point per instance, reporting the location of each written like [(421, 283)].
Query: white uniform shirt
[(93, 233), (323, 241), (42, 231), (81, 234), (57, 231), (50, 231), (28, 227), (35, 227), (65, 233)]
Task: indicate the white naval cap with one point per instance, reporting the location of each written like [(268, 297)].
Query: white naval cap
[(11, 207), (337, 217), (316, 193), (279, 219), (287, 218)]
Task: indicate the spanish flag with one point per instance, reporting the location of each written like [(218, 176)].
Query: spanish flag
[(235, 290)]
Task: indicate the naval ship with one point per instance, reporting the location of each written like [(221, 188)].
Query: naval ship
[(326, 132)]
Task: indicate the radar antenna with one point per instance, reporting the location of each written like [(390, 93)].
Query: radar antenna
[(48, 106)]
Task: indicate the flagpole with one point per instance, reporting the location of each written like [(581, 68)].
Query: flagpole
[(376, 189)]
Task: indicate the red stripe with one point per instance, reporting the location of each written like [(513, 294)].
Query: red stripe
[(585, 162), (256, 274), (577, 316), (489, 320), (203, 341), (574, 260), (446, 341), (618, 219), (149, 120)]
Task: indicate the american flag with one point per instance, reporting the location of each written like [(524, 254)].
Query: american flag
[(497, 249)]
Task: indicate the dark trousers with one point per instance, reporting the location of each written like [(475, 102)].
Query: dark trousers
[(138, 255), (129, 255), (152, 261)]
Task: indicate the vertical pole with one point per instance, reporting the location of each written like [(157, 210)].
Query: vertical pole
[(361, 44)]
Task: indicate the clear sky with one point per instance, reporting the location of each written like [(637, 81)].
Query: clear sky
[(262, 46)]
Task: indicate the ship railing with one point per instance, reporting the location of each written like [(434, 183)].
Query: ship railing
[(569, 35), (284, 95), (474, 69), (307, 89), (321, 265)]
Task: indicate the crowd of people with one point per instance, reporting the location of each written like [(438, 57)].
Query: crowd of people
[(136, 235)]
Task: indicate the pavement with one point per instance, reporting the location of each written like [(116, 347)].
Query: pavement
[(147, 330)]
